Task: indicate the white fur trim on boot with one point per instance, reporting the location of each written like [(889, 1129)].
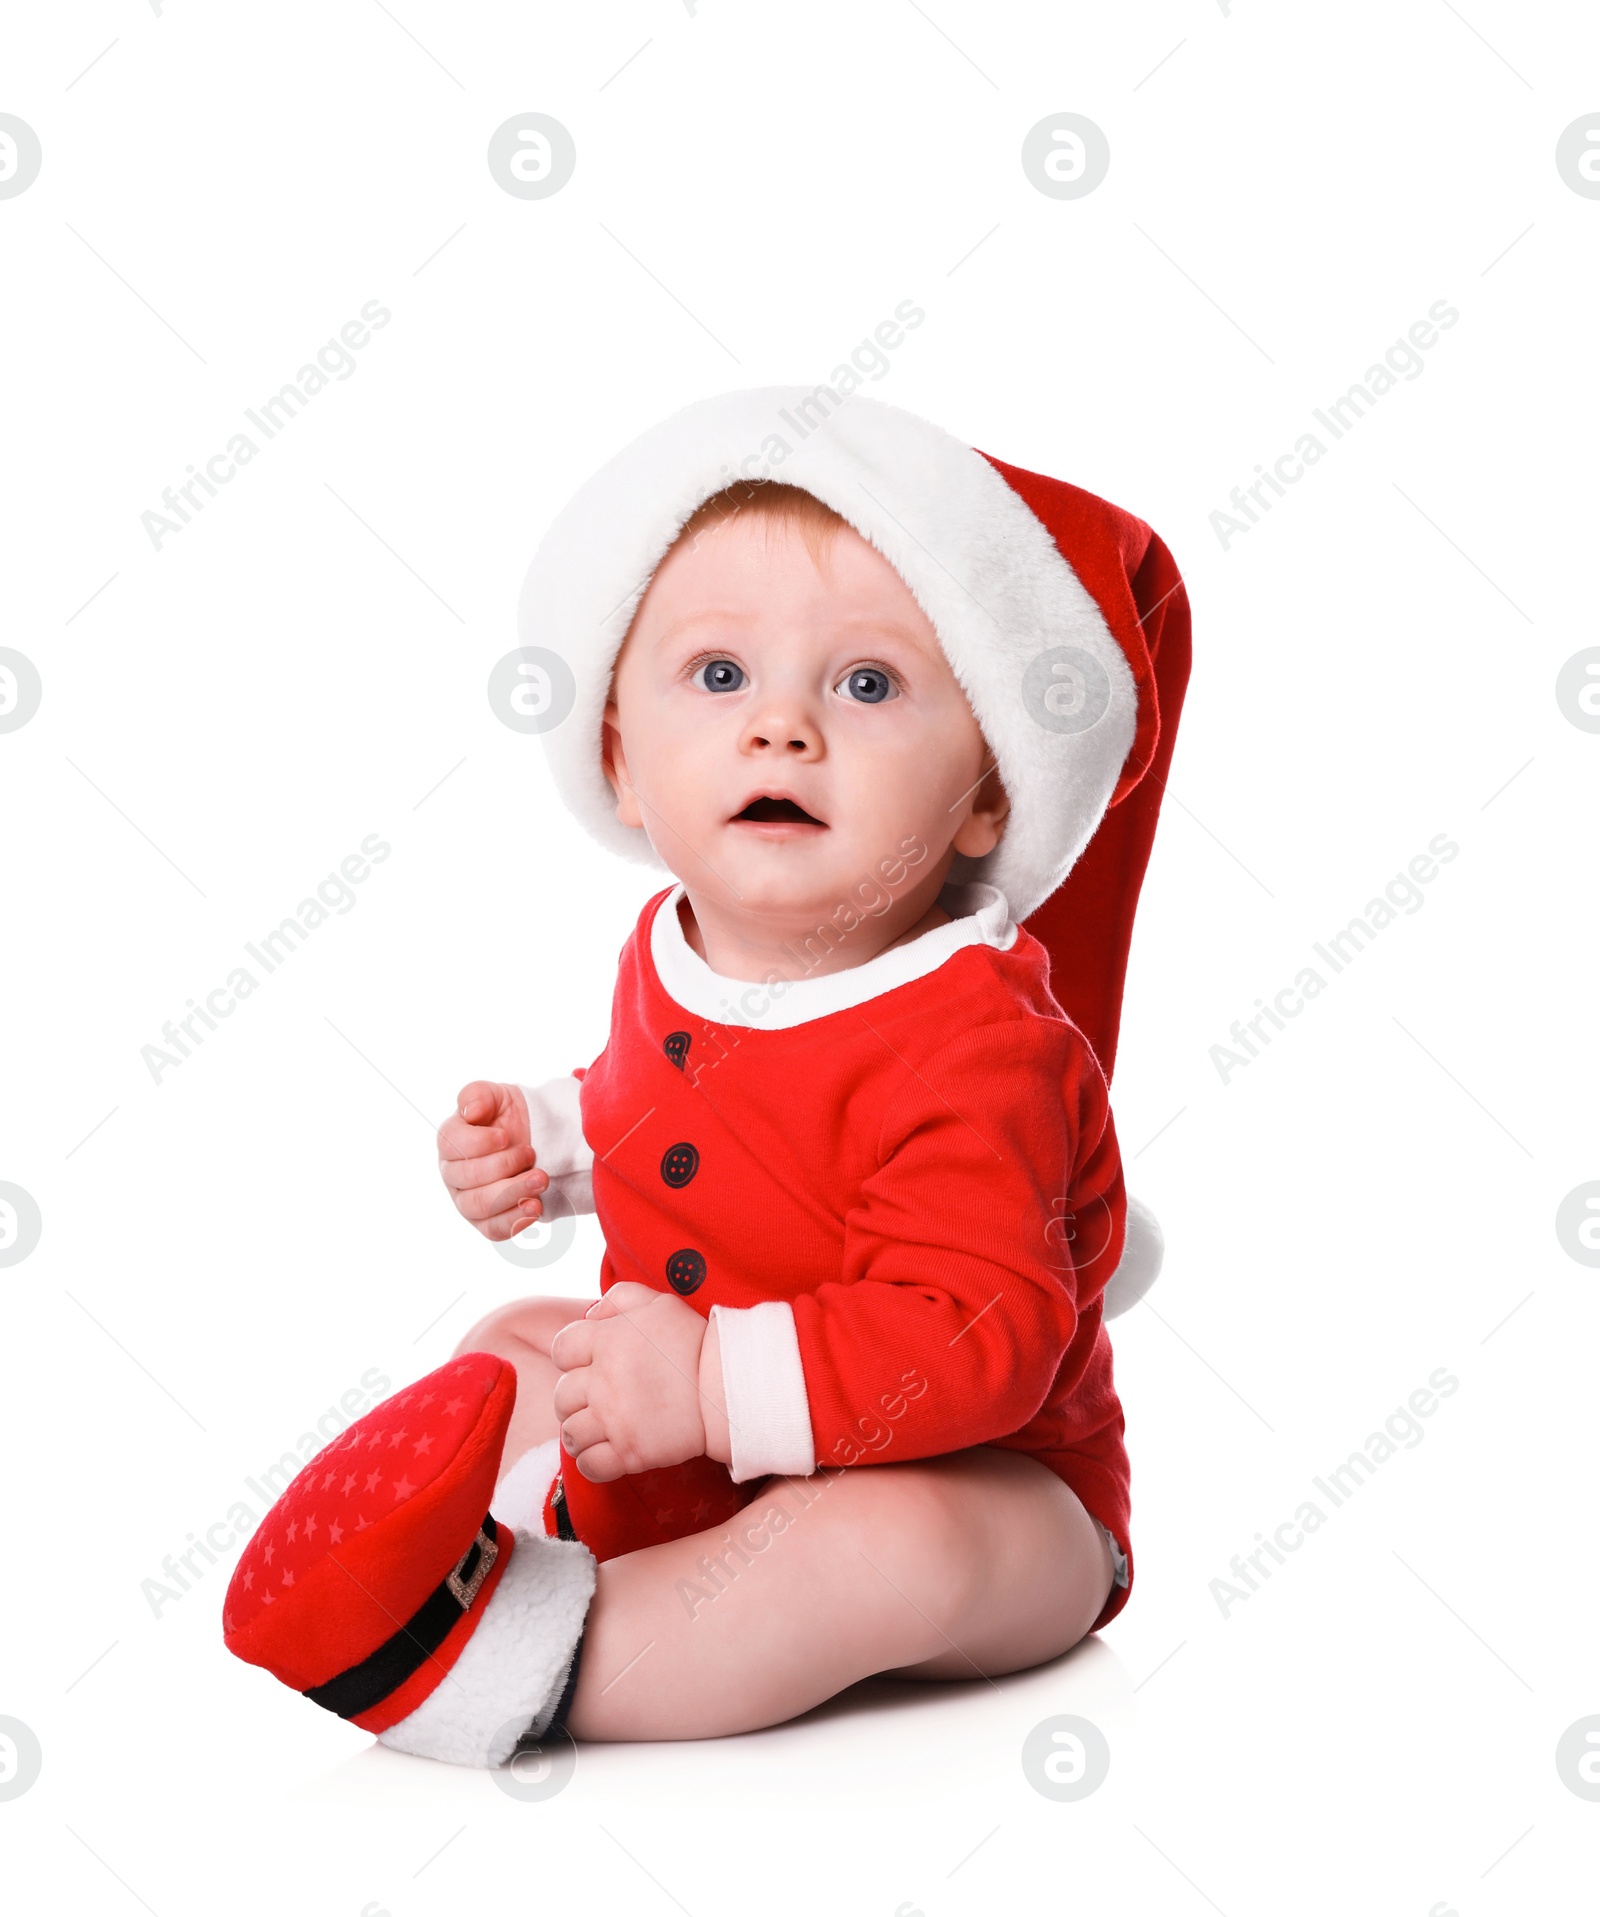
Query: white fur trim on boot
[(519, 1496), (509, 1679), (1143, 1248)]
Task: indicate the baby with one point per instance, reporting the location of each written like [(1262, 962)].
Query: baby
[(845, 1406)]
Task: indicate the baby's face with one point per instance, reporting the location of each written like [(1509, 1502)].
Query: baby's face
[(786, 732)]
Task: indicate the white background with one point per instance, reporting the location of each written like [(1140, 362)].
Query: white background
[(223, 720)]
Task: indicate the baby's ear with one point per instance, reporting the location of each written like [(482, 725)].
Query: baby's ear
[(614, 761), (984, 826)]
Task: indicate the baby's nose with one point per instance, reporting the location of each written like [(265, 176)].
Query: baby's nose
[(789, 731)]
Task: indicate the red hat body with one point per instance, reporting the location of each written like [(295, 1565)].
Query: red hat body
[(1086, 925)]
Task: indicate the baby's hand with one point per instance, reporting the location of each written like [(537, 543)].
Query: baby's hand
[(629, 1392), (486, 1159)]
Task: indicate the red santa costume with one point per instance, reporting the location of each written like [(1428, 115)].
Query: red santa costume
[(895, 1185)]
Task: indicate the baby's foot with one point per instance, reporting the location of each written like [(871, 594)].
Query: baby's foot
[(381, 1586)]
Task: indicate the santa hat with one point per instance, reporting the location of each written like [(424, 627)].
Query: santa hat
[(382, 1588), (1062, 617)]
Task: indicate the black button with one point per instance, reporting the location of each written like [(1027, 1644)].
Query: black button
[(686, 1272), (680, 1165), (676, 1047)]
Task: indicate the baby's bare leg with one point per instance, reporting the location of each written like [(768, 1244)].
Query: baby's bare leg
[(962, 1566), (956, 1567), (521, 1334)]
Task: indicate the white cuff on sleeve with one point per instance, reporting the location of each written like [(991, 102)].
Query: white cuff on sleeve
[(560, 1148), (764, 1387)]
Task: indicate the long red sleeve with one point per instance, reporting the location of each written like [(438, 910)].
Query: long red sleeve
[(997, 1206)]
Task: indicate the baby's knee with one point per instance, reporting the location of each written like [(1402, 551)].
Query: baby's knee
[(526, 1324)]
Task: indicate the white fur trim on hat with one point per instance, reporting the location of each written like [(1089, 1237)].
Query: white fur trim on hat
[(511, 1672), (1143, 1248), (979, 563)]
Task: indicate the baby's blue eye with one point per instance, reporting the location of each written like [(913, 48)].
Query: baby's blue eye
[(720, 675), (867, 686)]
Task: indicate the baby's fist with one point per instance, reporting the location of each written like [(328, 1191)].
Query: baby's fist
[(629, 1396), (487, 1160)]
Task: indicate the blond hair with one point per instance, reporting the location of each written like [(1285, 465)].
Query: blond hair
[(770, 500)]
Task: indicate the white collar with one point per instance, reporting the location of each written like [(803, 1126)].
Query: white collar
[(979, 916)]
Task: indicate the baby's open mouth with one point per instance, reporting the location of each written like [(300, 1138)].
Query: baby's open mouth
[(766, 811)]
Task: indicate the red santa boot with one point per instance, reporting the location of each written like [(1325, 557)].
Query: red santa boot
[(381, 1586)]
